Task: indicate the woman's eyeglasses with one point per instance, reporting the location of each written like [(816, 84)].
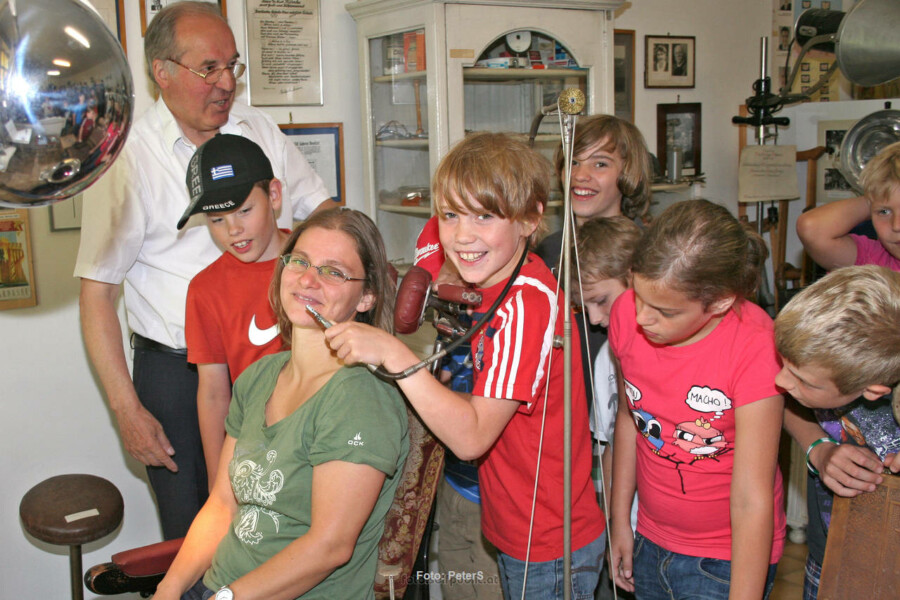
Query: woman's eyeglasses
[(326, 273)]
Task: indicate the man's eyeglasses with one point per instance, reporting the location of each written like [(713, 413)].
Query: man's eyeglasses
[(327, 273), (213, 75)]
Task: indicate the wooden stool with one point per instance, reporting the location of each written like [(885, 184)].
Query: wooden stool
[(72, 510)]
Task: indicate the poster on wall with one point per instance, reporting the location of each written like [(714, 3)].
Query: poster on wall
[(284, 52), (17, 286)]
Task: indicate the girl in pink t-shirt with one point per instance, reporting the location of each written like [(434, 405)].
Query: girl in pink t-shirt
[(699, 414)]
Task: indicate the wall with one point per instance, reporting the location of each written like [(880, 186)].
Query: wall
[(727, 63), (56, 420)]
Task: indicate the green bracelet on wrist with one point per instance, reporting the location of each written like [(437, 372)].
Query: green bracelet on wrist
[(822, 440)]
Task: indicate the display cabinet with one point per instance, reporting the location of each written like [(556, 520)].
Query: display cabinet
[(433, 70)]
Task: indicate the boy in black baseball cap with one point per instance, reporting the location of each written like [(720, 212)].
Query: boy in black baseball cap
[(229, 322)]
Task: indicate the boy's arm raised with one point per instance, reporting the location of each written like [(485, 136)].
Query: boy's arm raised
[(825, 231), (468, 425)]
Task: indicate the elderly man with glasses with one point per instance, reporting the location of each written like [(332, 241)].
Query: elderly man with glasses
[(129, 237)]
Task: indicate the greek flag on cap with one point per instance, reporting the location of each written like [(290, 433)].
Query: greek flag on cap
[(221, 172)]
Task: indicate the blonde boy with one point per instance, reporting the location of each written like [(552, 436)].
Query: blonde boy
[(839, 341), (229, 323), (825, 231), (490, 191)]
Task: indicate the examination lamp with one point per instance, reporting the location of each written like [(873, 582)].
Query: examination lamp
[(866, 48)]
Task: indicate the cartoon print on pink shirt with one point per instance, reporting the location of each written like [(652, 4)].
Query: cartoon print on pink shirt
[(693, 439), (699, 438)]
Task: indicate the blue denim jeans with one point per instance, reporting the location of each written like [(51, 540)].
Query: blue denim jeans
[(198, 592), (545, 579), (663, 575), (811, 580)]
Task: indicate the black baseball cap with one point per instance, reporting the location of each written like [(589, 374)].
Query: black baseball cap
[(221, 174)]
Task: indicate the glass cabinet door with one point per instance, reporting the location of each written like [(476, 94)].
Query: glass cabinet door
[(512, 82), (401, 176)]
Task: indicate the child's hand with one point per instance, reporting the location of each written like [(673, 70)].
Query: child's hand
[(846, 469), (622, 555), (892, 462), (355, 343)]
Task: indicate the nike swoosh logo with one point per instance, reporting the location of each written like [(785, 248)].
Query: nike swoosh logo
[(261, 337)]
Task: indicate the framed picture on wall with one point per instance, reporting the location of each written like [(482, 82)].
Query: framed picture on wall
[(830, 181), (17, 283), (678, 125), (623, 73), (668, 61), (66, 214), (284, 53), (323, 146), (149, 8)]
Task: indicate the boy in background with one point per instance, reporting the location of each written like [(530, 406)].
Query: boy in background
[(825, 231), (838, 340), (229, 322), (605, 249)]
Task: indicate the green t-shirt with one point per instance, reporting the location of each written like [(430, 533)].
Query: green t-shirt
[(356, 418)]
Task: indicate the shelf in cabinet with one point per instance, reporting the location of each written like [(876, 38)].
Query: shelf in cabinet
[(400, 77), (487, 74), (408, 144), (419, 211)]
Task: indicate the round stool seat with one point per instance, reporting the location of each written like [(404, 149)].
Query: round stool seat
[(71, 509)]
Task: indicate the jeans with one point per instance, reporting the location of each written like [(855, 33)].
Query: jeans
[(545, 579), (198, 592), (663, 575), (167, 387), (811, 579), (463, 549)]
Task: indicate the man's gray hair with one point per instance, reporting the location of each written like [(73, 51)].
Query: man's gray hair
[(159, 40)]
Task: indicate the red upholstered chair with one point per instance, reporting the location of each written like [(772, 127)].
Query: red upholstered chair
[(405, 537)]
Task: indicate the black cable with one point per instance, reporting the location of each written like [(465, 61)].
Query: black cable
[(385, 374)]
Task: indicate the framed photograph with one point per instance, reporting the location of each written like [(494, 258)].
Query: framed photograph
[(17, 283), (149, 8), (66, 214), (284, 53), (678, 125), (668, 61), (830, 181), (623, 73), (323, 146)]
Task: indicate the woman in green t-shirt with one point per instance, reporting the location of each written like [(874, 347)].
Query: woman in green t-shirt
[(314, 448)]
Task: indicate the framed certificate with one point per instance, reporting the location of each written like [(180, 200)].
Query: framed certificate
[(323, 146), (284, 55)]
